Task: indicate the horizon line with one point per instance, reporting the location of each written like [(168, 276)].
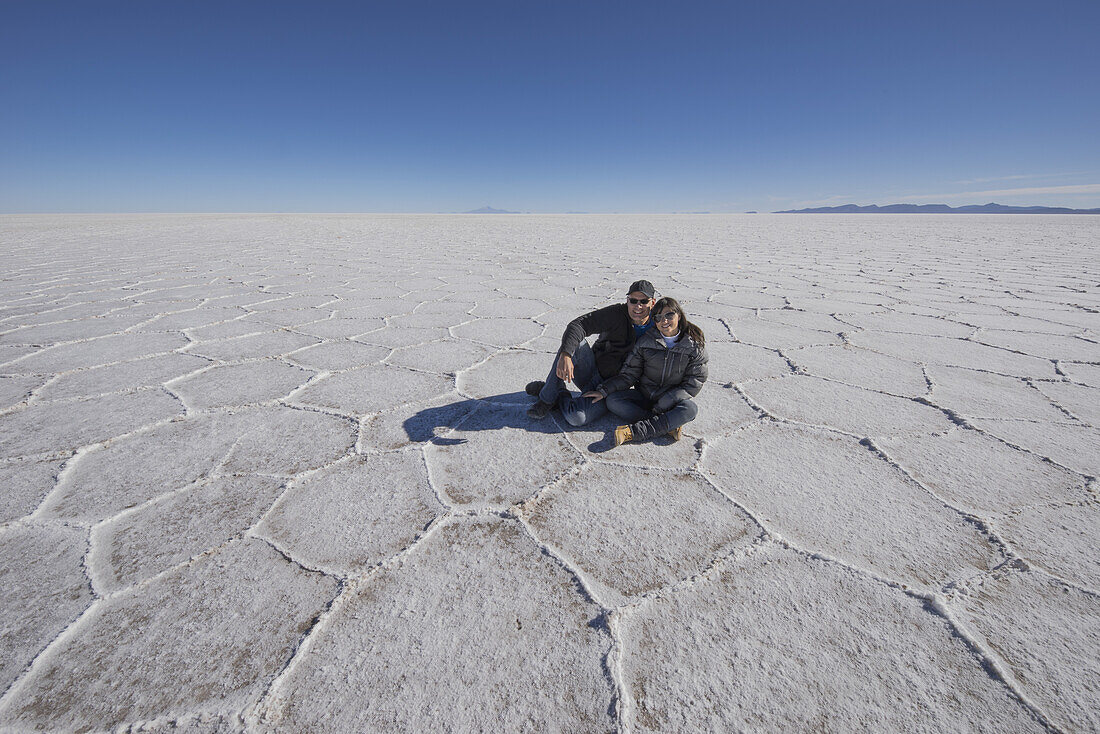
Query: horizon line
[(514, 213)]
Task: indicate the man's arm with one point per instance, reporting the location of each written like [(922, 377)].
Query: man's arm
[(587, 324), (593, 322)]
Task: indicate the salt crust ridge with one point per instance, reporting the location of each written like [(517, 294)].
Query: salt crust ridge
[(788, 294)]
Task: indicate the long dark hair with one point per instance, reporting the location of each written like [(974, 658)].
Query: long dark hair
[(686, 327)]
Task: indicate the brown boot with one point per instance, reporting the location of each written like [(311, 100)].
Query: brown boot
[(622, 435), (675, 433)]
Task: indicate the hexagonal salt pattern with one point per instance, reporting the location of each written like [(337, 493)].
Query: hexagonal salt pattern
[(828, 493), (43, 428), (722, 410), (494, 457), (334, 356), (146, 372), (632, 530), (862, 368), (415, 423), (519, 645), (355, 513), (207, 637), (1072, 445), (96, 352), (144, 465), (983, 395), (980, 474), (504, 373), (446, 356), (274, 473), (855, 410), (371, 389), (1079, 401), (14, 389), (1046, 633), (240, 384), (45, 589), (731, 362), (953, 352), (780, 627), (1058, 539), (783, 336), (26, 482), (155, 537)]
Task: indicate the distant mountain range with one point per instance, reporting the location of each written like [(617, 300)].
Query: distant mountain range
[(989, 208), (489, 210)]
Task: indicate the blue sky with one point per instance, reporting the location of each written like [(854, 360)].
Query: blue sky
[(545, 106)]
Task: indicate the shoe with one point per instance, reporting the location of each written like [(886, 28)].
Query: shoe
[(623, 434), (534, 388), (539, 410), (675, 433)]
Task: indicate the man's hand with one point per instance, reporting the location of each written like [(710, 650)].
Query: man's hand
[(565, 368), (595, 395)]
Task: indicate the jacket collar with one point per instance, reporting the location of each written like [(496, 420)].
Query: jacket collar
[(684, 343)]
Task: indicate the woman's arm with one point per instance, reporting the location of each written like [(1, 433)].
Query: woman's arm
[(695, 374), (692, 382), (628, 376)]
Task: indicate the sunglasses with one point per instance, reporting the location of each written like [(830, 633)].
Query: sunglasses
[(638, 301), (666, 316)]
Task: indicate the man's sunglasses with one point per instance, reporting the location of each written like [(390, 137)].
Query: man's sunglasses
[(638, 301)]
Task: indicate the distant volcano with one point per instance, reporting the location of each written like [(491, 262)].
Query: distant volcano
[(489, 210), (989, 208)]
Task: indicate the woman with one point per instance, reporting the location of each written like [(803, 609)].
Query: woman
[(666, 368)]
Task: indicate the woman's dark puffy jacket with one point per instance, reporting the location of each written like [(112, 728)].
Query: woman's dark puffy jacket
[(657, 370)]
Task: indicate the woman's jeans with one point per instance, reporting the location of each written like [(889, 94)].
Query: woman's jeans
[(576, 410), (649, 419)]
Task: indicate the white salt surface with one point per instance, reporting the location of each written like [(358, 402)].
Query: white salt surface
[(273, 473)]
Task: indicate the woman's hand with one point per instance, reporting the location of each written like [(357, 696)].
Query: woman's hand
[(669, 400), (596, 396)]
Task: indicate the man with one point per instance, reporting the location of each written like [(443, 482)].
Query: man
[(618, 326)]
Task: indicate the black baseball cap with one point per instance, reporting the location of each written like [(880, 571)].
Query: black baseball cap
[(642, 286)]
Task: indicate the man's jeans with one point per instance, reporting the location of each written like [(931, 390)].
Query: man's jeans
[(649, 419), (576, 410)]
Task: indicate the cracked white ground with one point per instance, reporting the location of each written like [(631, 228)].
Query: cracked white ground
[(274, 473)]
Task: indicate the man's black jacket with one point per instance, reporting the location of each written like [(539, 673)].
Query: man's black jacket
[(616, 337)]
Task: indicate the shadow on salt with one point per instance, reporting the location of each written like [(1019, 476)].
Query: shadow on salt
[(483, 414)]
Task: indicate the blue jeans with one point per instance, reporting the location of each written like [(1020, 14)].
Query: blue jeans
[(576, 410), (648, 418)]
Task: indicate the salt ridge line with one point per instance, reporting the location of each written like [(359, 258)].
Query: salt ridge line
[(612, 659)]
